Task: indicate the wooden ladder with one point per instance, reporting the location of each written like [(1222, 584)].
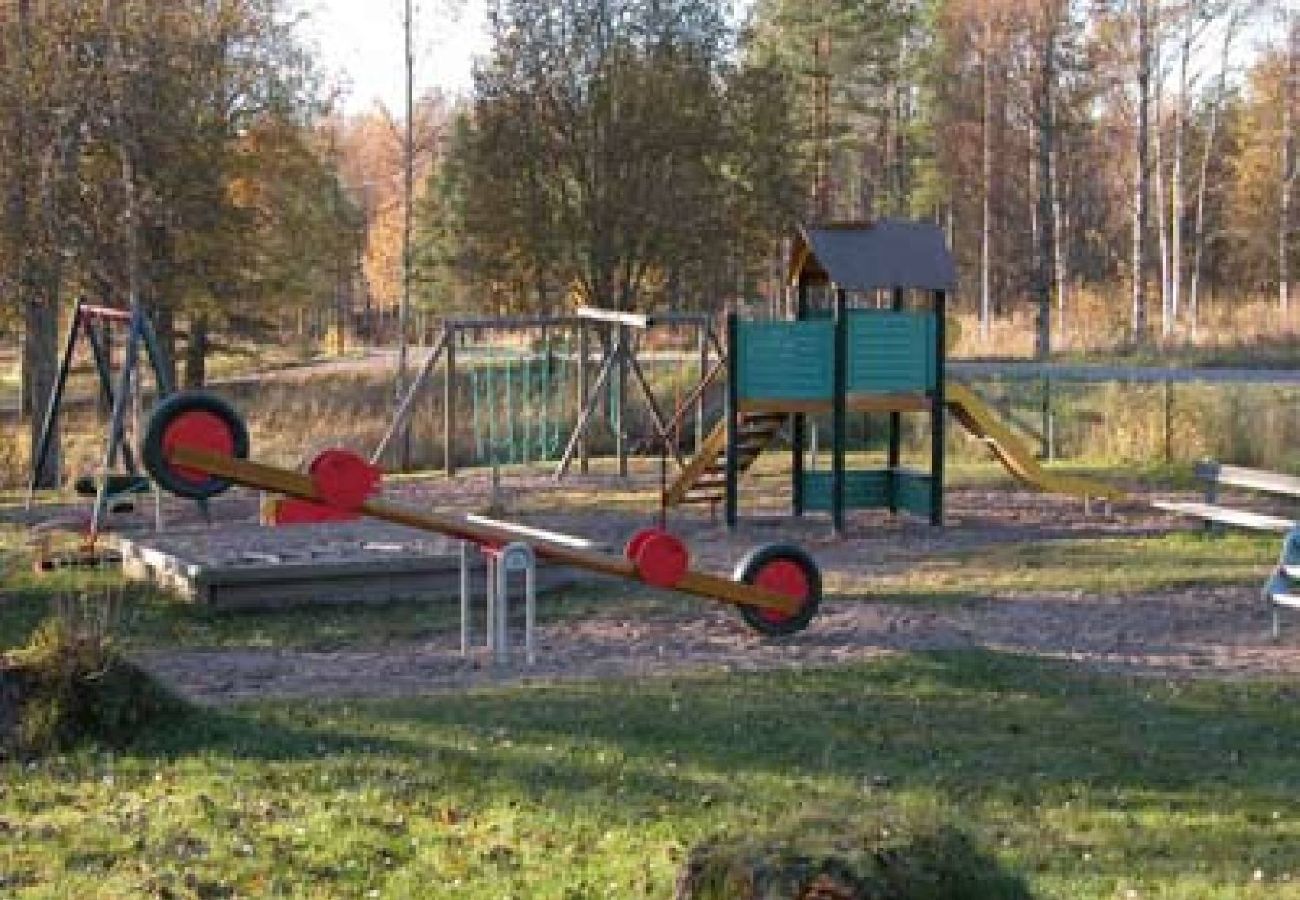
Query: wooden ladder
[(704, 479)]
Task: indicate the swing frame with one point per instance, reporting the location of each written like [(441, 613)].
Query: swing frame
[(94, 322)]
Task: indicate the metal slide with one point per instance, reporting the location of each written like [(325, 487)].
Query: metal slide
[(980, 420)]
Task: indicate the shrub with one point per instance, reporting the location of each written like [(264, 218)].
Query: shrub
[(69, 686), (832, 860)]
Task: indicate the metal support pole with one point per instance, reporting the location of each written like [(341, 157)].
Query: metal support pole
[(404, 408), (656, 414), (937, 408), (490, 592), (530, 615), (839, 411), (799, 425), (584, 418), (895, 432), (117, 421), (449, 420), (502, 620), (102, 352), (620, 436), (731, 512), (154, 350), (584, 351), (702, 338), (464, 599)]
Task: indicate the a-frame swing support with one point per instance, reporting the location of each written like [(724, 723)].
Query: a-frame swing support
[(95, 321), (618, 358)]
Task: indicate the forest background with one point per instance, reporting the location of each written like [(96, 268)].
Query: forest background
[(1114, 176)]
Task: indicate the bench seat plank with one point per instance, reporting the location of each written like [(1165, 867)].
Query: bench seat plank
[(1228, 516), (527, 531), (1256, 479)]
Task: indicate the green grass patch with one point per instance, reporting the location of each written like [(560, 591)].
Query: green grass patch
[(1085, 786), (1115, 566)]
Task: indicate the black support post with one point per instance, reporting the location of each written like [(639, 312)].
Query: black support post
[(121, 398), (100, 347), (937, 404), (839, 418), (102, 352), (620, 436), (895, 458), (731, 498), (584, 350), (450, 422), (799, 427), (163, 386)]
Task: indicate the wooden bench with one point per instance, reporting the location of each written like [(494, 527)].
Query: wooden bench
[(1217, 475)]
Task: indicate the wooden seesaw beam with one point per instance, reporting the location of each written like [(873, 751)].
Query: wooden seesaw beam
[(295, 484)]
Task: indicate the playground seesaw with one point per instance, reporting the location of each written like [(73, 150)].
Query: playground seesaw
[(197, 446)]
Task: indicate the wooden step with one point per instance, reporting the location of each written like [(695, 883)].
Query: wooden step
[(698, 500)]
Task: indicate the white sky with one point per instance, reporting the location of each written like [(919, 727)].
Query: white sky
[(361, 46)]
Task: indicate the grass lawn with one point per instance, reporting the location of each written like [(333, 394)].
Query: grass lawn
[(1088, 787), (1085, 786)]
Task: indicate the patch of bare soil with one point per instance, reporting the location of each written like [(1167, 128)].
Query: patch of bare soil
[(1216, 632), (1212, 631)]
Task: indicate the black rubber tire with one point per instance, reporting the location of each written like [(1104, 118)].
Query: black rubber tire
[(747, 571), (151, 449)]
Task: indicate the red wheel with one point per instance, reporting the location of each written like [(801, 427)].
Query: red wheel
[(786, 570), (197, 429), (637, 541), (343, 479), (661, 559), (194, 420)]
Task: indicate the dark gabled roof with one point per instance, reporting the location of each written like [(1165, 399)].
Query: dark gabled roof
[(865, 257)]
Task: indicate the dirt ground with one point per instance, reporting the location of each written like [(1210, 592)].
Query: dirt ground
[(1209, 631)]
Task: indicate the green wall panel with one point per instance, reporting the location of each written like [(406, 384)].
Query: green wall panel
[(863, 489), (785, 360), (914, 493), (890, 351), (869, 489)]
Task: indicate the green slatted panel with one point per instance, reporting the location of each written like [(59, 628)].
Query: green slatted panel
[(785, 360), (914, 493), (890, 351), (863, 489)]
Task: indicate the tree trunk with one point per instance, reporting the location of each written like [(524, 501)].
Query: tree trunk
[(40, 349), (1044, 251), (196, 352), (1060, 262), (1142, 180), (1181, 112), (1289, 91), (986, 221), (1211, 133), (40, 369), (1162, 197)]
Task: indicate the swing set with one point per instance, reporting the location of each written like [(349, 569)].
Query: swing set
[(119, 392), (541, 404)]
